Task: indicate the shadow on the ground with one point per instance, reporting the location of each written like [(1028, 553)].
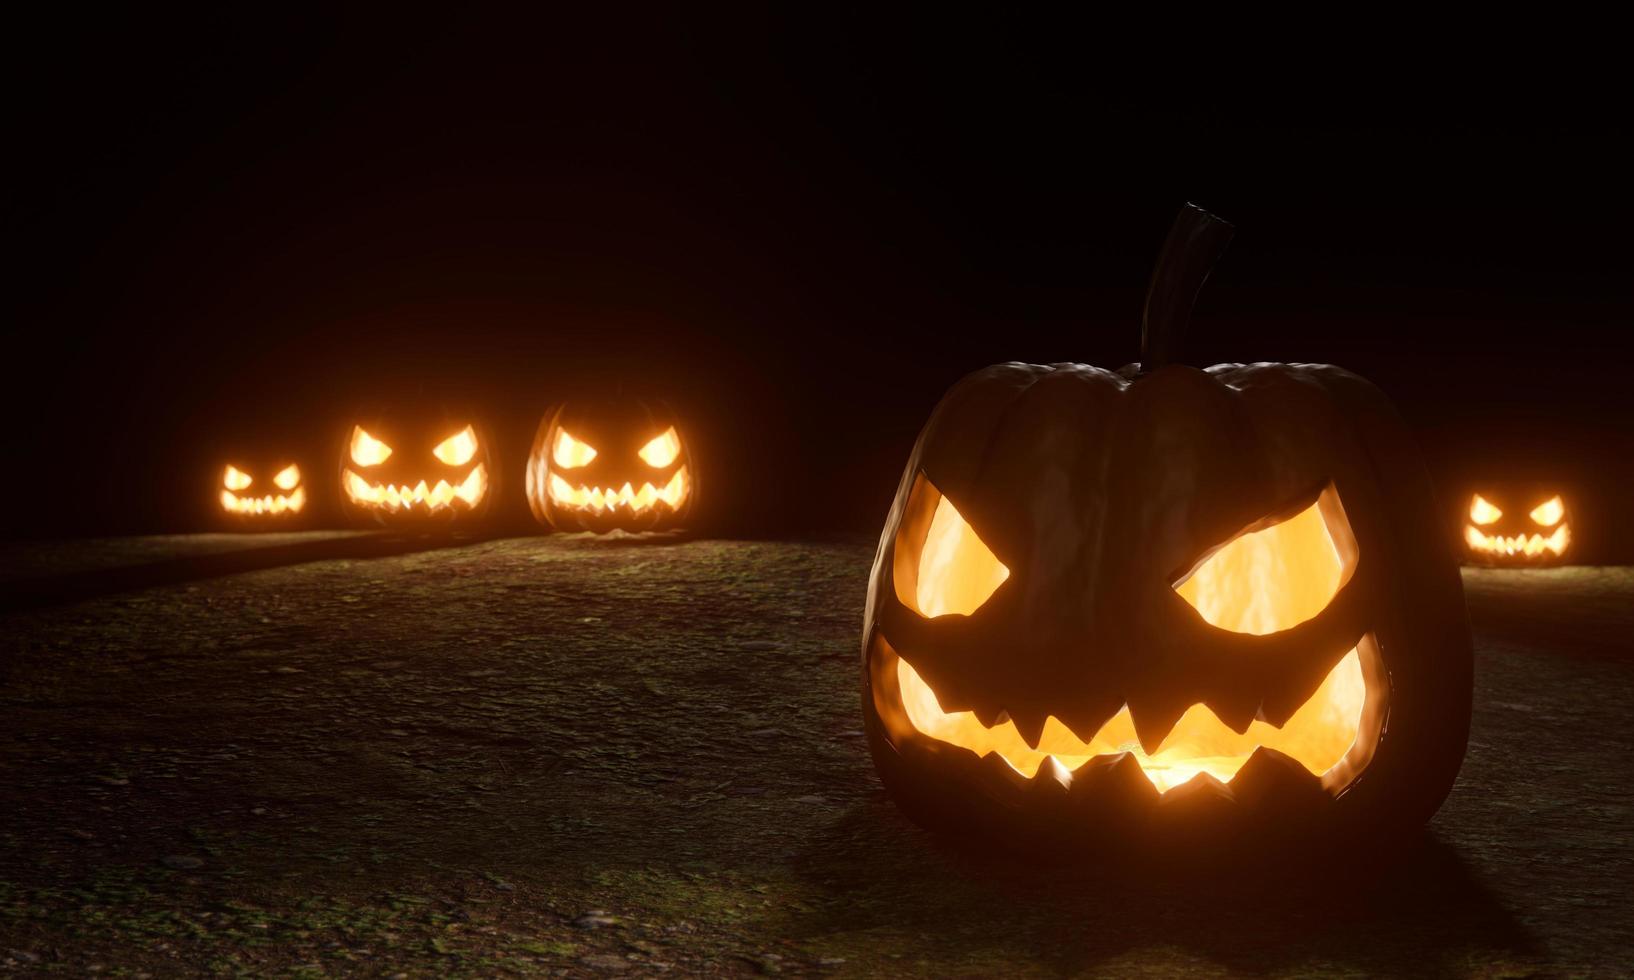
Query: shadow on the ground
[(80, 585), (1420, 913)]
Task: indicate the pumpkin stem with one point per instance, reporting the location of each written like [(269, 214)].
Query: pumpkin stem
[(1195, 243)]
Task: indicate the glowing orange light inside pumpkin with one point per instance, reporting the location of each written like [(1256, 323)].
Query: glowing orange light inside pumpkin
[(1482, 512), (607, 498), (457, 449), (957, 572), (287, 477), (1549, 513), (236, 479), (1261, 582), (433, 498), (569, 453), (366, 449), (1268, 580), (1525, 545), (662, 450), (266, 504)]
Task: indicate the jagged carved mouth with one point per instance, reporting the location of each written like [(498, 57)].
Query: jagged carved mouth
[(1518, 545), (1332, 735), (268, 503), (432, 499), (564, 494)]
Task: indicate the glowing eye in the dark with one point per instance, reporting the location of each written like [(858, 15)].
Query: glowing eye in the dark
[(366, 449), (1272, 579), (288, 477), (235, 479), (569, 452), (1482, 512), (457, 449), (662, 450), (1549, 513), (942, 568)]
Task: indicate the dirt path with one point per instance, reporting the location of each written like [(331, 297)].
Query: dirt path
[(553, 754)]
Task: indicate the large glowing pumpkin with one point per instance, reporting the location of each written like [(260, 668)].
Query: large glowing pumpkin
[(1517, 528), (1161, 604), (611, 465), (408, 470), (261, 493)]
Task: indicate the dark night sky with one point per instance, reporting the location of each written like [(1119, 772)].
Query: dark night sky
[(802, 231)]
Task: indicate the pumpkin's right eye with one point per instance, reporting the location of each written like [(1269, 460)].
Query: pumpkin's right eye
[(1276, 576)]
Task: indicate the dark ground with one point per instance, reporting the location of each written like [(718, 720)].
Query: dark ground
[(575, 756)]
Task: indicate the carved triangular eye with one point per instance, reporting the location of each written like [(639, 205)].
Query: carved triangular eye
[(1275, 577), (366, 449), (943, 566), (569, 453), (458, 448), (235, 478), (288, 477), (662, 450), (1482, 512), (1549, 513)]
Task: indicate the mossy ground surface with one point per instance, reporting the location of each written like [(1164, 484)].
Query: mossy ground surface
[(567, 755)]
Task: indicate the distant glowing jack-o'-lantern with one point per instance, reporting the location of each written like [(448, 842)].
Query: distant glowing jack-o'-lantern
[(621, 465), (1494, 537), (1125, 599), (401, 473), (242, 496)]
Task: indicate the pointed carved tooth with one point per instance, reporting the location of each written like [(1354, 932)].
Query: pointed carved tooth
[(997, 770), (990, 714), (1274, 782), (1052, 771), (1113, 780), (1202, 785), (1030, 727), (1154, 717), (1202, 811), (1286, 693), (1237, 708), (1088, 715)]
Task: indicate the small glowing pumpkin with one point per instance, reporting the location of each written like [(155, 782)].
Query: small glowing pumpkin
[(1164, 607), (1517, 529), (611, 465), (416, 470), (265, 494)]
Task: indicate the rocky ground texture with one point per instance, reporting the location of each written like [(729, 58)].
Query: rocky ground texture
[(313, 755)]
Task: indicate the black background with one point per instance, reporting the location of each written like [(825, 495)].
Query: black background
[(800, 229)]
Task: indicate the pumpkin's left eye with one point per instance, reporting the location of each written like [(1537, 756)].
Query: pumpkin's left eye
[(458, 448), (288, 477), (569, 452), (366, 449), (662, 450), (942, 567), (1274, 577), (1482, 512), (235, 478), (1549, 513)]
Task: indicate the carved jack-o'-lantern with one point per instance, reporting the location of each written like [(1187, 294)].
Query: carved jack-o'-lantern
[(263, 494), (611, 465), (397, 471), (1517, 529), (1108, 605)]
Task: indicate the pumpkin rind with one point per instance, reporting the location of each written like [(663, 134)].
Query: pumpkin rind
[(617, 430), (413, 437), (1096, 488)]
